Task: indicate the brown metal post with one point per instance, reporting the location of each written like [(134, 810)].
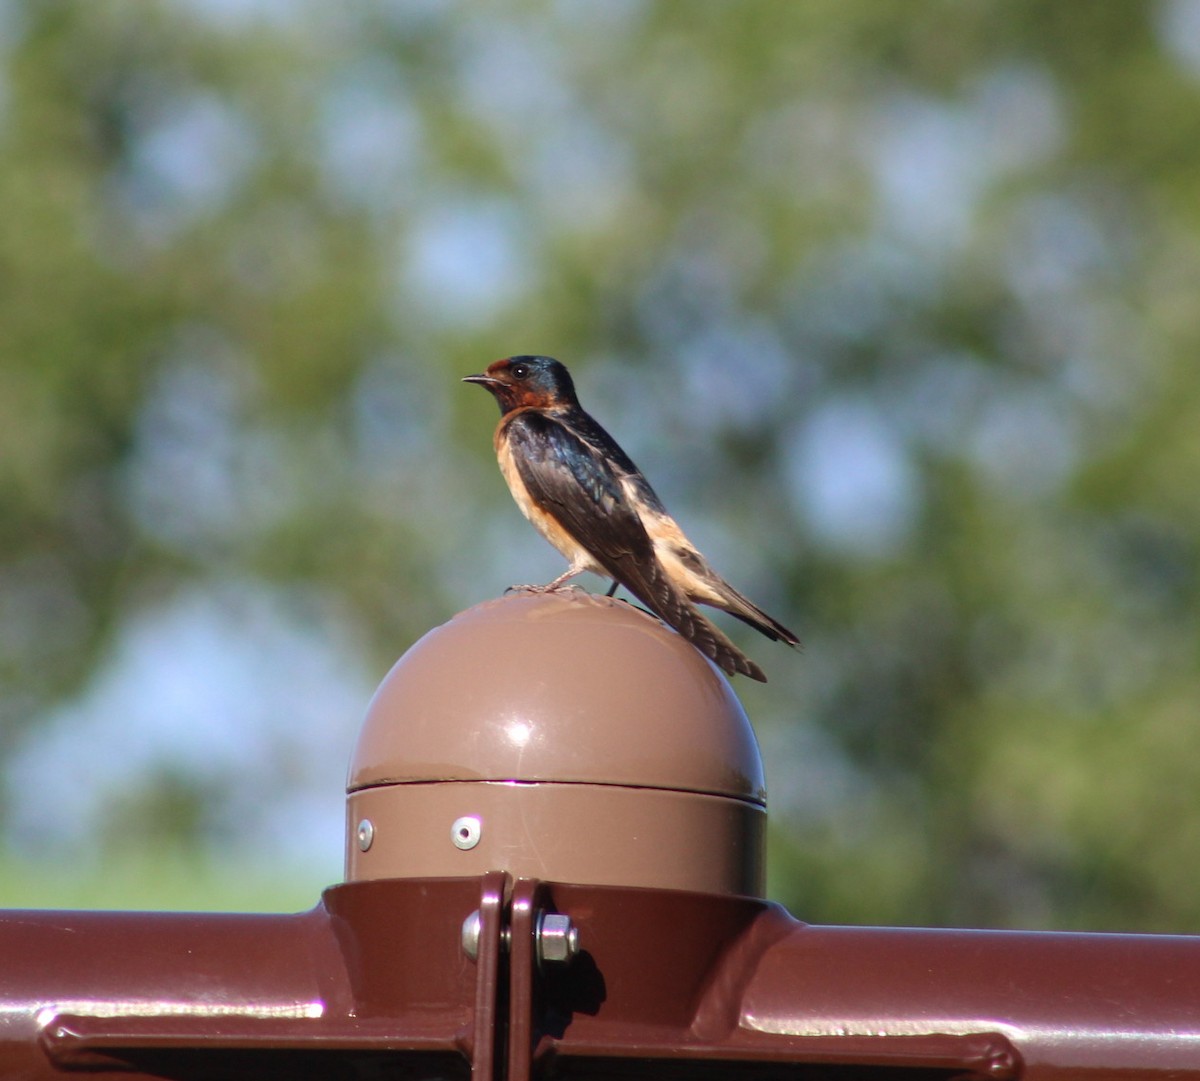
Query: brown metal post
[(374, 970)]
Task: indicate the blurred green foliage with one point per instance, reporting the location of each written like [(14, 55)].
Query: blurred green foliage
[(180, 881), (894, 302)]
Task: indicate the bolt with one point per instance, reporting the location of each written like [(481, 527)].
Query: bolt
[(470, 935), (366, 834), (472, 927), (557, 938), (465, 832)]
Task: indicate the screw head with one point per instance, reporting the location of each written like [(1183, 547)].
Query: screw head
[(557, 938), (470, 935), (465, 832), (366, 834)]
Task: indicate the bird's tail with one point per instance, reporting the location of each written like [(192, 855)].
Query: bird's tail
[(731, 601), (713, 644), (647, 580), (674, 609)]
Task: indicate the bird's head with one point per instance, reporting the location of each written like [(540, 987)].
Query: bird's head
[(527, 381)]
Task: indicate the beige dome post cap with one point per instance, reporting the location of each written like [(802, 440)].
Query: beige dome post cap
[(563, 737), (558, 687)]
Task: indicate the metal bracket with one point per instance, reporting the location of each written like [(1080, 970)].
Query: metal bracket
[(532, 937)]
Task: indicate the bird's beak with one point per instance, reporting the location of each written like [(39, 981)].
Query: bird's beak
[(482, 380)]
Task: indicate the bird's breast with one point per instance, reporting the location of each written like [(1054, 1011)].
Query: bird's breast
[(542, 519)]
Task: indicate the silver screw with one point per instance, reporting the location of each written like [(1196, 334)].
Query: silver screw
[(366, 834), (465, 832), (557, 938)]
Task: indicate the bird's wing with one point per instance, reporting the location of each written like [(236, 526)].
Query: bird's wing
[(704, 585), (574, 481), (697, 580), (589, 431)]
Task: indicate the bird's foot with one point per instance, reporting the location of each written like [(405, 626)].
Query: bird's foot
[(552, 587)]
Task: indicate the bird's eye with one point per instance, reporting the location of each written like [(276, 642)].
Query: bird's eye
[(519, 371)]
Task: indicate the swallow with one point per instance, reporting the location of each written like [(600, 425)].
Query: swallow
[(582, 492)]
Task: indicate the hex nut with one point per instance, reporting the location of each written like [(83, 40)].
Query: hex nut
[(557, 938)]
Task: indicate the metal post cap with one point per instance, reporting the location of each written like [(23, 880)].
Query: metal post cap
[(561, 735)]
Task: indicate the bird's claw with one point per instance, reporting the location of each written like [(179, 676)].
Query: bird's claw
[(551, 588)]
